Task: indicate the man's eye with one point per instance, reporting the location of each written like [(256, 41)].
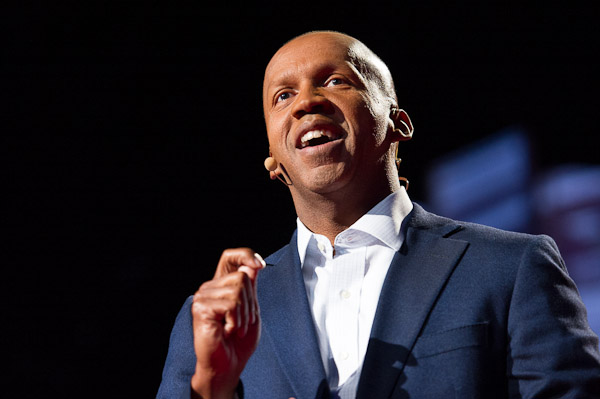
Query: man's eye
[(335, 82), (283, 96)]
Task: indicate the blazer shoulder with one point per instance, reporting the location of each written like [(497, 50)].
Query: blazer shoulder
[(477, 234)]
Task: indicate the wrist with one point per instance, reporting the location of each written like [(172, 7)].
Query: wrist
[(212, 387)]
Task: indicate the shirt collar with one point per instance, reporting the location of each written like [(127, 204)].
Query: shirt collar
[(383, 221)]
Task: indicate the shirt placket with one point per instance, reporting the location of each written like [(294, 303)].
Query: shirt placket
[(347, 272)]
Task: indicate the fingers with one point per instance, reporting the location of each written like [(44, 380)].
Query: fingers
[(226, 321), (229, 301), (247, 261), (242, 259)]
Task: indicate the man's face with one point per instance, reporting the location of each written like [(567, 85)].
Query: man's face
[(326, 122)]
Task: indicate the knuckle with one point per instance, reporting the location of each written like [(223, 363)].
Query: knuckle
[(204, 286), (236, 280), (199, 309)]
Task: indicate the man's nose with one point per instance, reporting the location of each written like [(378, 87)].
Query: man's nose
[(311, 100)]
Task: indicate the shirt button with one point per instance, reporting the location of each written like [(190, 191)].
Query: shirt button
[(344, 355), (345, 294), (321, 247)]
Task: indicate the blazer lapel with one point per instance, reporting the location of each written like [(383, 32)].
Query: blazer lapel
[(288, 323), (414, 281)]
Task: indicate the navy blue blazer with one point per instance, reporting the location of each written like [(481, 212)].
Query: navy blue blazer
[(466, 311)]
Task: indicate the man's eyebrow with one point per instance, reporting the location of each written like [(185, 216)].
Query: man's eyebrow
[(283, 79), (288, 77)]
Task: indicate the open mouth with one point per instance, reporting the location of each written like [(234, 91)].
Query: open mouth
[(314, 138)]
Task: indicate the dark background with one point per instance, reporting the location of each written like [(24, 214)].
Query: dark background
[(133, 144)]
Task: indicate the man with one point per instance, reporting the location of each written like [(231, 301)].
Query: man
[(374, 297)]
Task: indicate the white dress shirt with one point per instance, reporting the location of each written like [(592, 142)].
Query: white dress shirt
[(343, 284)]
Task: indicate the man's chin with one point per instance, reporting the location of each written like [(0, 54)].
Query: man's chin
[(325, 179)]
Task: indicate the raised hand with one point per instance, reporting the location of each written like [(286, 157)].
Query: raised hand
[(226, 324)]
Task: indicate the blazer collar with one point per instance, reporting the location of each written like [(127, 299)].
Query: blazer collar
[(414, 281)]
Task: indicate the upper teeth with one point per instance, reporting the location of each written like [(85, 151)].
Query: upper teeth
[(313, 134)]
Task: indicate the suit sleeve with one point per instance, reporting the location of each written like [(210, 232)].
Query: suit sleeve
[(552, 352), (181, 359)]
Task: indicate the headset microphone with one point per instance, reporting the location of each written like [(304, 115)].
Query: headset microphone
[(271, 165)]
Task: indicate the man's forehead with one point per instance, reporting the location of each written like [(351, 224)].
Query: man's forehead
[(303, 48)]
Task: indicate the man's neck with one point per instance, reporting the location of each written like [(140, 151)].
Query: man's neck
[(330, 214)]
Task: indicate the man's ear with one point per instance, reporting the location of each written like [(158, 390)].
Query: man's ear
[(402, 124)]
